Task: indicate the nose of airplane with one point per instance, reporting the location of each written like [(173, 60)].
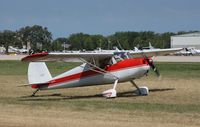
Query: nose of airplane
[(152, 65)]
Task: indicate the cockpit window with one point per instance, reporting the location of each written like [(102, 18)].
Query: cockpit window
[(105, 62), (119, 56)]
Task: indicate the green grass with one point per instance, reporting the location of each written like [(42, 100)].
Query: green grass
[(179, 70), (20, 68), (182, 70), (13, 67)]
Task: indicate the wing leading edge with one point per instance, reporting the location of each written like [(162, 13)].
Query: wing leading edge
[(67, 56)]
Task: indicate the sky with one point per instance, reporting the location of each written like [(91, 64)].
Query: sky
[(65, 17)]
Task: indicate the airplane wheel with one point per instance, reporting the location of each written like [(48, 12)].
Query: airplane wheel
[(111, 93), (143, 91)]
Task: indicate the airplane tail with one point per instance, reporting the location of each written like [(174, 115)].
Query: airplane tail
[(150, 46), (38, 73), (136, 49)]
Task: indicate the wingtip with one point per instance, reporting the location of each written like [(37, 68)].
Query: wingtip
[(34, 56)]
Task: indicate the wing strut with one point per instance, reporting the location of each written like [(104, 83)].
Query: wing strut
[(102, 71)]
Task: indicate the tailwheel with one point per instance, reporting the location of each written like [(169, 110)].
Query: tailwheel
[(35, 92)]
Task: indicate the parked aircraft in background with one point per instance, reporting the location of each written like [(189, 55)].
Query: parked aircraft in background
[(188, 51), (17, 50), (150, 47), (14, 50), (99, 67)]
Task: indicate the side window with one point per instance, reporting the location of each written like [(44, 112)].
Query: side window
[(119, 56), (105, 62)]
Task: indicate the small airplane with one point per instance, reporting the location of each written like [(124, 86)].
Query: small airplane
[(98, 68), (148, 48), (16, 50), (190, 51), (139, 48)]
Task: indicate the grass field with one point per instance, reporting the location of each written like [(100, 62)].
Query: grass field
[(174, 100)]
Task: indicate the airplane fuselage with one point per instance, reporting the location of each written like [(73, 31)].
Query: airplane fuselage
[(86, 75)]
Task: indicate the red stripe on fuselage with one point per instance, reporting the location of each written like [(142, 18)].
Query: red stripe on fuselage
[(128, 63), (73, 77)]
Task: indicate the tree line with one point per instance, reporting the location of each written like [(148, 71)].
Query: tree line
[(39, 39)]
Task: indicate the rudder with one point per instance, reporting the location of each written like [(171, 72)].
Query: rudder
[(38, 73)]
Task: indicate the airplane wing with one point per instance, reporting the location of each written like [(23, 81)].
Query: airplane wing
[(95, 56), (153, 52), (88, 56)]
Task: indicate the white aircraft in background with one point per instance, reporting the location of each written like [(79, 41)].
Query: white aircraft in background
[(16, 50), (98, 68), (194, 51), (151, 50), (149, 47), (188, 51)]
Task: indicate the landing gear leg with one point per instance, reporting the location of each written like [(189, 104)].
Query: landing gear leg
[(138, 89), (143, 91), (34, 92), (111, 93)]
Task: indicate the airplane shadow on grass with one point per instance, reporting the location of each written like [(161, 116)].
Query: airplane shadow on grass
[(57, 97)]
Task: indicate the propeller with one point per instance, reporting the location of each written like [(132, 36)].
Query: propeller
[(154, 68)]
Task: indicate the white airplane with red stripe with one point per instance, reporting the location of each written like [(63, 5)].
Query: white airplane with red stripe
[(98, 68)]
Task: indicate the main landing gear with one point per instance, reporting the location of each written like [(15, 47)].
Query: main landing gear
[(142, 91), (112, 93)]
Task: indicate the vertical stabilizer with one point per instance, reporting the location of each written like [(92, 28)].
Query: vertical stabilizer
[(38, 73)]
